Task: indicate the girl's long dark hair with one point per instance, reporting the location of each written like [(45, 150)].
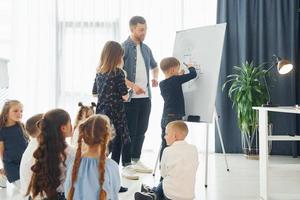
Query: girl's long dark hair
[(50, 155)]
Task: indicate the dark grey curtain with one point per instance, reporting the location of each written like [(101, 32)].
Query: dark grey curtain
[(257, 29)]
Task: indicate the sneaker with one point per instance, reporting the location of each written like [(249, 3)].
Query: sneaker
[(146, 188), (129, 173), (143, 196), (141, 168), (153, 195), (3, 180), (123, 189)]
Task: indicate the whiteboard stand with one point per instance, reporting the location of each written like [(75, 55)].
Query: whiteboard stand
[(156, 163), (216, 118)]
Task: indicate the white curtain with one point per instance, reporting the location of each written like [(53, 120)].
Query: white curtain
[(33, 57), (83, 28), (57, 45), (5, 29)]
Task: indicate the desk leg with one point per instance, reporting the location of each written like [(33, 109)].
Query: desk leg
[(263, 154)]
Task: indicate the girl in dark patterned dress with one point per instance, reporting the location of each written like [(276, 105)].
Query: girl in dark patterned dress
[(111, 90)]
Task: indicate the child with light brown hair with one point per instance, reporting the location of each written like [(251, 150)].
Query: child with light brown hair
[(92, 175), (111, 90), (179, 165), (83, 113)]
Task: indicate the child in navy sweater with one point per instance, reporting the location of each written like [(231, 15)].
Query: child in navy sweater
[(13, 140), (171, 91)]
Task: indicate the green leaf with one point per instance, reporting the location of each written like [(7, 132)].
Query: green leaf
[(246, 89)]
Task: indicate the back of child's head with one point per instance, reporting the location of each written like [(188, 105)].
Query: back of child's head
[(111, 57), (31, 125), (83, 113), (50, 154), (168, 63), (8, 105), (94, 131), (180, 128)]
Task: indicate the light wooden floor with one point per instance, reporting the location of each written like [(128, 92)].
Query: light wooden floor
[(241, 183)]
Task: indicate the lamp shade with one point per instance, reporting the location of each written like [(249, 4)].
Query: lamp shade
[(284, 66)]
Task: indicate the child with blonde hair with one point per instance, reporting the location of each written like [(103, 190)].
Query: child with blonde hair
[(93, 176), (13, 140), (179, 165)]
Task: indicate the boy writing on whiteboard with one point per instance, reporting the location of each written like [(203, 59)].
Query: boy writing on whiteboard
[(171, 91), (179, 165)]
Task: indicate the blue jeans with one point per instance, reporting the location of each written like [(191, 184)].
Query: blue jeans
[(159, 191)]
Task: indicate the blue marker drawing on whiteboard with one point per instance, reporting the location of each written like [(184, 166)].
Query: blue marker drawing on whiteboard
[(202, 46), (190, 85), (197, 67)]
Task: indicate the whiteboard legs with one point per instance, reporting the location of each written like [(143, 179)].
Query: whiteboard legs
[(156, 163), (216, 118), (221, 140)]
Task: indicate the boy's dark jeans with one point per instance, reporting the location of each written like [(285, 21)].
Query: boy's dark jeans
[(159, 191), (164, 122)]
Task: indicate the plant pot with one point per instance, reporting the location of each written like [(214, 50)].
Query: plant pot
[(250, 143)]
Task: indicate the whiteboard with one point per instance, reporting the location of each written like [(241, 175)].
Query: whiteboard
[(203, 47)]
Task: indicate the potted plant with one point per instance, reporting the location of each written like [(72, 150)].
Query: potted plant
[(247, 89)]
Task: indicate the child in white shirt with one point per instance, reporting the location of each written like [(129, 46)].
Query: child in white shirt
[(179, 165), (27, 159)]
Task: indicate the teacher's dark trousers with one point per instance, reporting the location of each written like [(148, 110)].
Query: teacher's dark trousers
[(137, 114)]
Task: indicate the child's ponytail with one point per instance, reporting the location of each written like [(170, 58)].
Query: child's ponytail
[(76, 166), (102, 159)]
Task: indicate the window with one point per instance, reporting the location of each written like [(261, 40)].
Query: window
[(82, 32), (85, 25)]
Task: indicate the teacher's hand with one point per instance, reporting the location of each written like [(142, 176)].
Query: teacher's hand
[(154, 83), (138, 90)]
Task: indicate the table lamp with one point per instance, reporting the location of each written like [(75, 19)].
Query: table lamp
[(283, 67)]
